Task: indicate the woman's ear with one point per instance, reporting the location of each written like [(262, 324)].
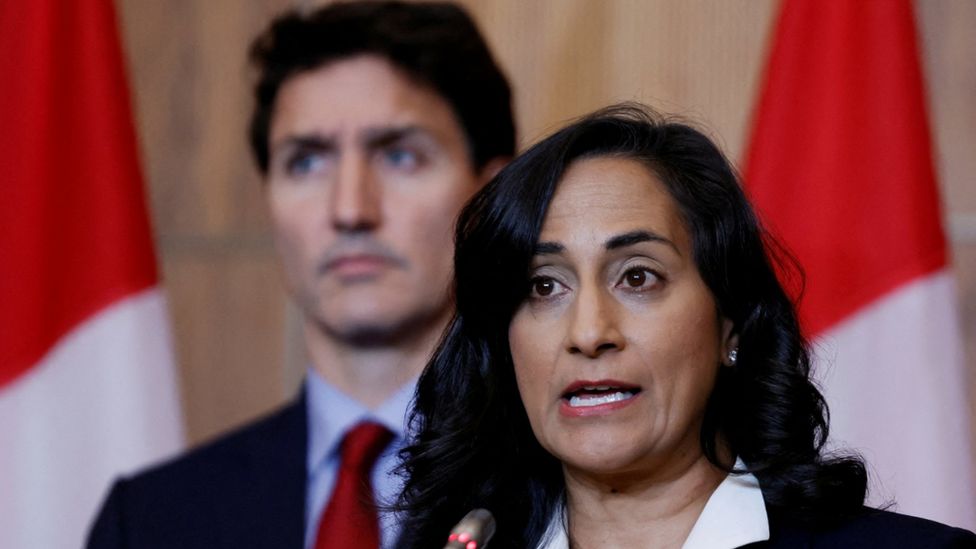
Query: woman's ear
[(730, 343)]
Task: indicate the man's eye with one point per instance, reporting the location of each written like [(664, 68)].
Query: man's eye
[(401, 158), (544, 286), (305, 163), (639, 278)]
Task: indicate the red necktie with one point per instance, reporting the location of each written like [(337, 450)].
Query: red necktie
[(349, 520)]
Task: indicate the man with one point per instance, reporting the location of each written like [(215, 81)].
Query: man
[(374, 123)]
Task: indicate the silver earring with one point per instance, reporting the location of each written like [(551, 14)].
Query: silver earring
[(733, 355)]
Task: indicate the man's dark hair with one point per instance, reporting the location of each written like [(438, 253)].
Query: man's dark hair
[(435, 44)]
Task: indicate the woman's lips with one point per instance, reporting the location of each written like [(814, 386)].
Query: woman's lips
[(588, 398)]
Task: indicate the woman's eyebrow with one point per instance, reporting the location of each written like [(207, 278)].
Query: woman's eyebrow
[(636, 237), (546, 248)]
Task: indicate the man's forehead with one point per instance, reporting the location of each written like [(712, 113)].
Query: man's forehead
[(348, 126), (353, 96), (370, 136)]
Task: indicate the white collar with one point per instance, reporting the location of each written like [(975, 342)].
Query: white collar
[(734, 515), (331, 413)]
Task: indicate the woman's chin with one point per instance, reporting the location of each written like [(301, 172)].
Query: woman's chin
[(601, 466), (622, 465)]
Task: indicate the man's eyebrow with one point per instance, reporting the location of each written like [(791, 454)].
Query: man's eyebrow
[(306, 141), (636, 237), (546, 248), (380, 137)]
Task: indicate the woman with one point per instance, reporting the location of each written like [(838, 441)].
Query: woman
[(624, 368)]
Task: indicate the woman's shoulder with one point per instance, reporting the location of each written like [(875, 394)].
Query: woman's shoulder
[(872, 528)]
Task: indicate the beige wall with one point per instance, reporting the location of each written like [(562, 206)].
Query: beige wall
[(236, 337)]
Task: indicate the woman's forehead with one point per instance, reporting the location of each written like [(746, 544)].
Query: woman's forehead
[(601, 196)]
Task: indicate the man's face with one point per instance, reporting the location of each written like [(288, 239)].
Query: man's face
[(368, 173)]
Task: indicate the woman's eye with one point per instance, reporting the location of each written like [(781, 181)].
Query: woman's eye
[(639, 278), (544, 286)]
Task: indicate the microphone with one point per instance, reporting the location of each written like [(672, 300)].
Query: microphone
[(473, 532)]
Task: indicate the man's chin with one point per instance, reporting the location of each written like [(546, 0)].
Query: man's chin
[(368, 335), (380, 331)]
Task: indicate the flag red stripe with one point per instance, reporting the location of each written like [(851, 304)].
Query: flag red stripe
[(840, 164), (75, 234)]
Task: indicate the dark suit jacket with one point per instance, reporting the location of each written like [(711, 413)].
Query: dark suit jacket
[(247, 490), (244, 490), (874, 529)]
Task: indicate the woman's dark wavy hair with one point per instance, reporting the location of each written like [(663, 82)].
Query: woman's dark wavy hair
[(473, 445)]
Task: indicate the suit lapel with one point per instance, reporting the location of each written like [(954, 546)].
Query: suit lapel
[(784, 534), (272, 513)]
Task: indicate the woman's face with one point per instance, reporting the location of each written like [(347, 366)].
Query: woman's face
[(617, 347)]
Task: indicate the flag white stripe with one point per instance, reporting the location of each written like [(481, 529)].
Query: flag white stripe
[(894, 379), (102, 402)]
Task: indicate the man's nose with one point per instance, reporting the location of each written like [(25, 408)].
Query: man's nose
[(594, 324), (355, 196)]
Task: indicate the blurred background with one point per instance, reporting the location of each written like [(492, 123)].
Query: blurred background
[(87, 384), (237, 339)]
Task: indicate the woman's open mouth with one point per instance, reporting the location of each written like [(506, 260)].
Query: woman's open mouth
[(597, 397)]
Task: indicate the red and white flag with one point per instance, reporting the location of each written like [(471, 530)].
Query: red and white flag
[(841, 170), (87, 377)]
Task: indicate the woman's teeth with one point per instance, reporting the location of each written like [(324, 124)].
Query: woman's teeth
[(584, 400)]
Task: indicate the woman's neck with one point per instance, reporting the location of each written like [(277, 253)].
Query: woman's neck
[(646, 511)]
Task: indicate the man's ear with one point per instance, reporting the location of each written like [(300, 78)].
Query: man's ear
[(492, 168), (730, 343)]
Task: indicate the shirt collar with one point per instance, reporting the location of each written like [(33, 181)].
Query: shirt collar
[(332, 413), (734, 515)]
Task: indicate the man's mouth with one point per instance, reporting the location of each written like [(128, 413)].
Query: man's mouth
[(359, 257), (363, 259), (358, 265)]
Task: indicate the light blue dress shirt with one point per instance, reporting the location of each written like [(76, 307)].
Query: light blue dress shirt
[(331, 414)]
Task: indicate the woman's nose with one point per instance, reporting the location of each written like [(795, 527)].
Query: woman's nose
[(593, 327)]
